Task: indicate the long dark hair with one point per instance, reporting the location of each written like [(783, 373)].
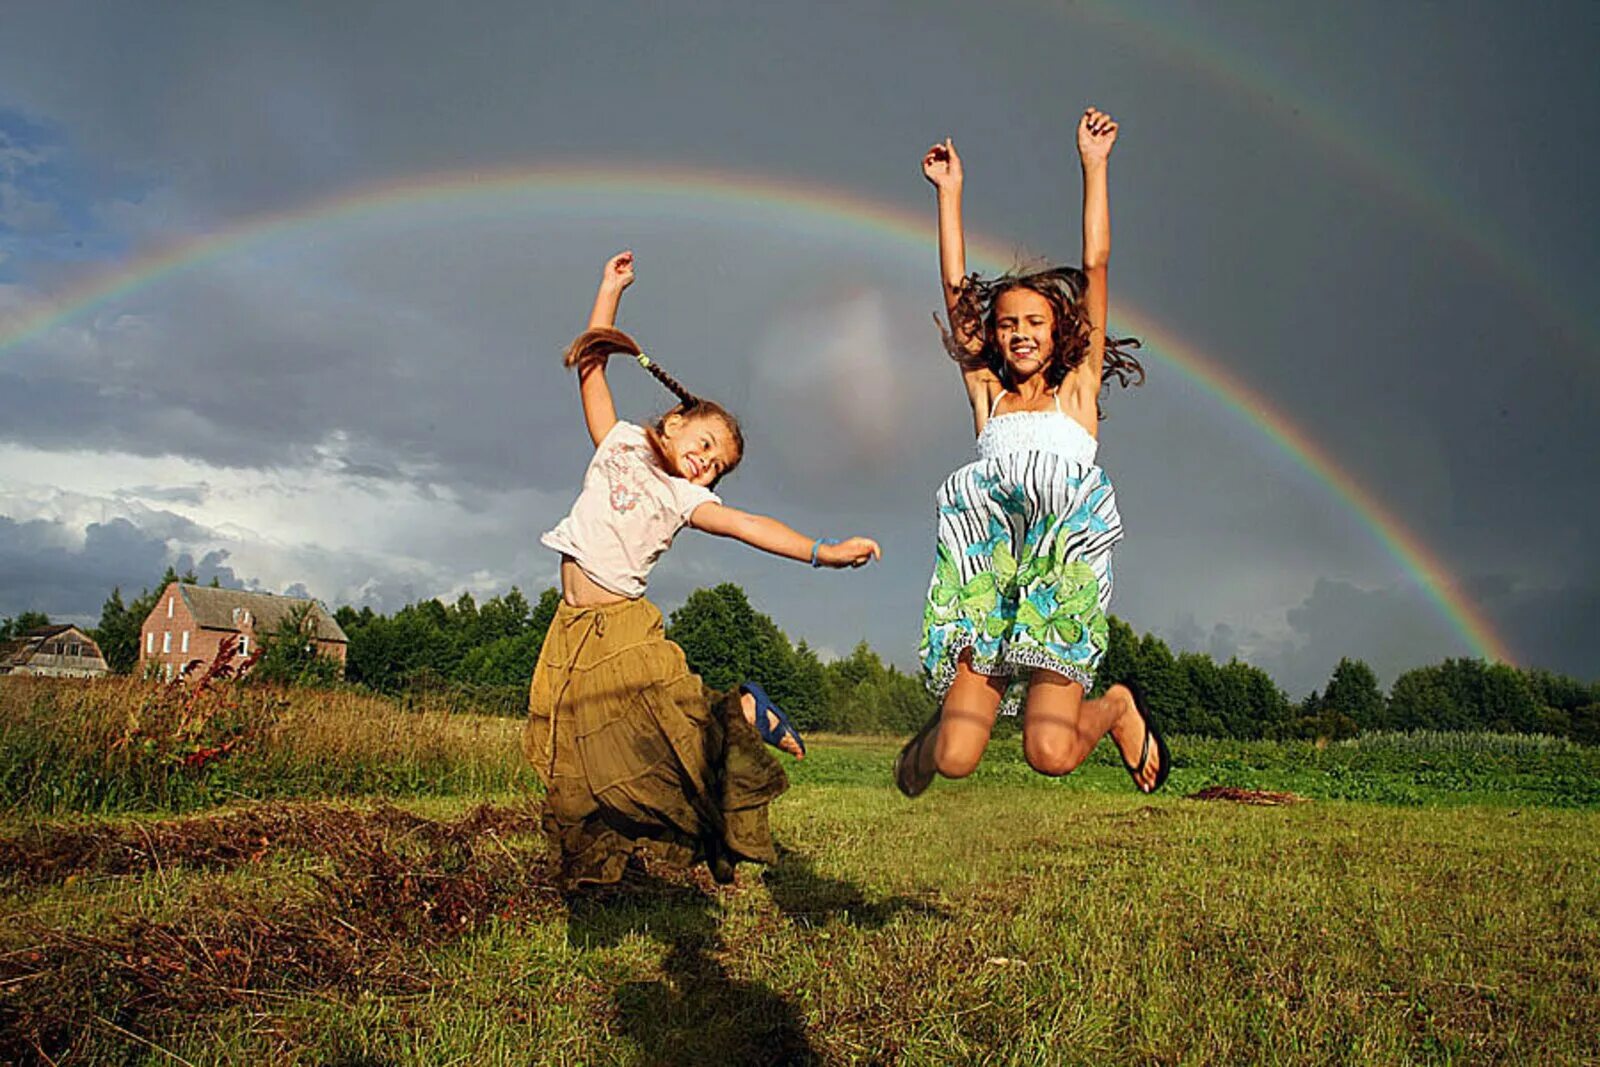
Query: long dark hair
[(600, 342), (1063, 288)]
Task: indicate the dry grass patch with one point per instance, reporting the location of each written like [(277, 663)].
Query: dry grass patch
[(395, 886)]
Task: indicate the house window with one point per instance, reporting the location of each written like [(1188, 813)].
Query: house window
[(150, 643), (244, 644), (185, 647), (170, 599), (166, 641), (73, 650), (169, 672)]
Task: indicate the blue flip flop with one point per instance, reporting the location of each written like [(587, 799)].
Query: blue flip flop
[(781, 727)]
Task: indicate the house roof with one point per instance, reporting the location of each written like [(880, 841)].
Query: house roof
[(213, 609), (49, 631), (19, 650)]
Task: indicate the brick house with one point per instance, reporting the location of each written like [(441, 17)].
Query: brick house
[(189, 622), (53, 652)]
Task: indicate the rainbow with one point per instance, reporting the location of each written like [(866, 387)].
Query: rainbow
[(763, 201), (1383, 169)]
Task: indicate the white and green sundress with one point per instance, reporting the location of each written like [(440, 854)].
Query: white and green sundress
[(1022, 573)]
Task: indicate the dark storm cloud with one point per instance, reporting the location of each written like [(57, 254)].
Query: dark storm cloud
[(424, 353), (68, 572), (40, 571), (1557, 627), (44, 568)]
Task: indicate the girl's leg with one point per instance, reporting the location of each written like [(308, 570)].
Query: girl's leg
[(1060, 728), (965, 720)]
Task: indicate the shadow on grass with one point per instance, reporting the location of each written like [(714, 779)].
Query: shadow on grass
[(807, 898), (697, 1013)]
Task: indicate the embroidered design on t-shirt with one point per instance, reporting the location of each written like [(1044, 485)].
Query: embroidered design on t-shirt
[(624, 477)]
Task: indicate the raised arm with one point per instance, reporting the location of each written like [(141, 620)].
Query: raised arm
[(599, 411), (770, 535), (942, 167), (1097, 132)]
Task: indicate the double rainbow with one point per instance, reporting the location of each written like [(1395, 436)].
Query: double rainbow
[(772, 202)]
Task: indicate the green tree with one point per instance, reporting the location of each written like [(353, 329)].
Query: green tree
[(1164, 683), (1270, 708), (1586, 724), (1120, 663), (24, 622), (1353, 692), (726, 641), (1420, 700), (389, 652), (1507, 702), (349, 619), (806, 708), (1206, 706), (510, 658), (118, 633), (503, 616), (290, 656)]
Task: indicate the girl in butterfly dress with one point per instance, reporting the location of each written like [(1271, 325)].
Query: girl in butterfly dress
[(1016, 610)]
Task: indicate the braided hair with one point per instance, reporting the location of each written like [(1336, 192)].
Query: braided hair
[(973, 317), (594, 345)]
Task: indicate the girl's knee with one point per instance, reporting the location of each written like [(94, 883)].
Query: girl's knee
[(954, 761), (1054, 757)]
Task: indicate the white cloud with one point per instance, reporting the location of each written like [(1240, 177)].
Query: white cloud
[(349, 538)]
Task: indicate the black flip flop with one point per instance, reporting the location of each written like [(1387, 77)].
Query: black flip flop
[(906, 770), (1139, 704)]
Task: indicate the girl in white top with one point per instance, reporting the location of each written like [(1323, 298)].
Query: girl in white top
[(1022, 575), (633, 757)]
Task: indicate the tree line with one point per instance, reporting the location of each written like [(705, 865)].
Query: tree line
[(488, 651)]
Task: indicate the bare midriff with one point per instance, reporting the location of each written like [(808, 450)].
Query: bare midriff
[(581, 591)]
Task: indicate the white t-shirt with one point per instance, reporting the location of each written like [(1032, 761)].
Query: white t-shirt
[(627, 514)]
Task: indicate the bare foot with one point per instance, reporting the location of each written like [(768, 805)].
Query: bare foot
[(1130, 734), (788, 744)]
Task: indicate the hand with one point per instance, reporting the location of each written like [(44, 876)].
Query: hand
[(852, 552), (1097, 132), (617, 274), (942, 167)]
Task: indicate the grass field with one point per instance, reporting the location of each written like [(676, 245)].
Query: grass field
[(364, 885)]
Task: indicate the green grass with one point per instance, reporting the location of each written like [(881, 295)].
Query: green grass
[(1435, 900), (1425, 769)]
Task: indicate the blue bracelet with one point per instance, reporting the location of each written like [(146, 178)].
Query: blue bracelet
[(817, 544)]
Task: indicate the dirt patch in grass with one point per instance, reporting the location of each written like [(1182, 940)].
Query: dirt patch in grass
[(1237, 795), (397, 885), (230, 838)]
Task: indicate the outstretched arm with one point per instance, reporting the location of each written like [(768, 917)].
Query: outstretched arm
[(599, 411), (1097, 132), (770, 535)]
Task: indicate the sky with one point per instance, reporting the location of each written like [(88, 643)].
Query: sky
[(283, 290)]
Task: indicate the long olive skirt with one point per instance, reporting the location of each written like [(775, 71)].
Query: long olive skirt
[(635, 756)]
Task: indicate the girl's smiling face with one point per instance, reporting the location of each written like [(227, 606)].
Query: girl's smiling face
[(698, 448), (1023, 328)]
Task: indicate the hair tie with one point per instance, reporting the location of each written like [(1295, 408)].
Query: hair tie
[(644, 361)]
